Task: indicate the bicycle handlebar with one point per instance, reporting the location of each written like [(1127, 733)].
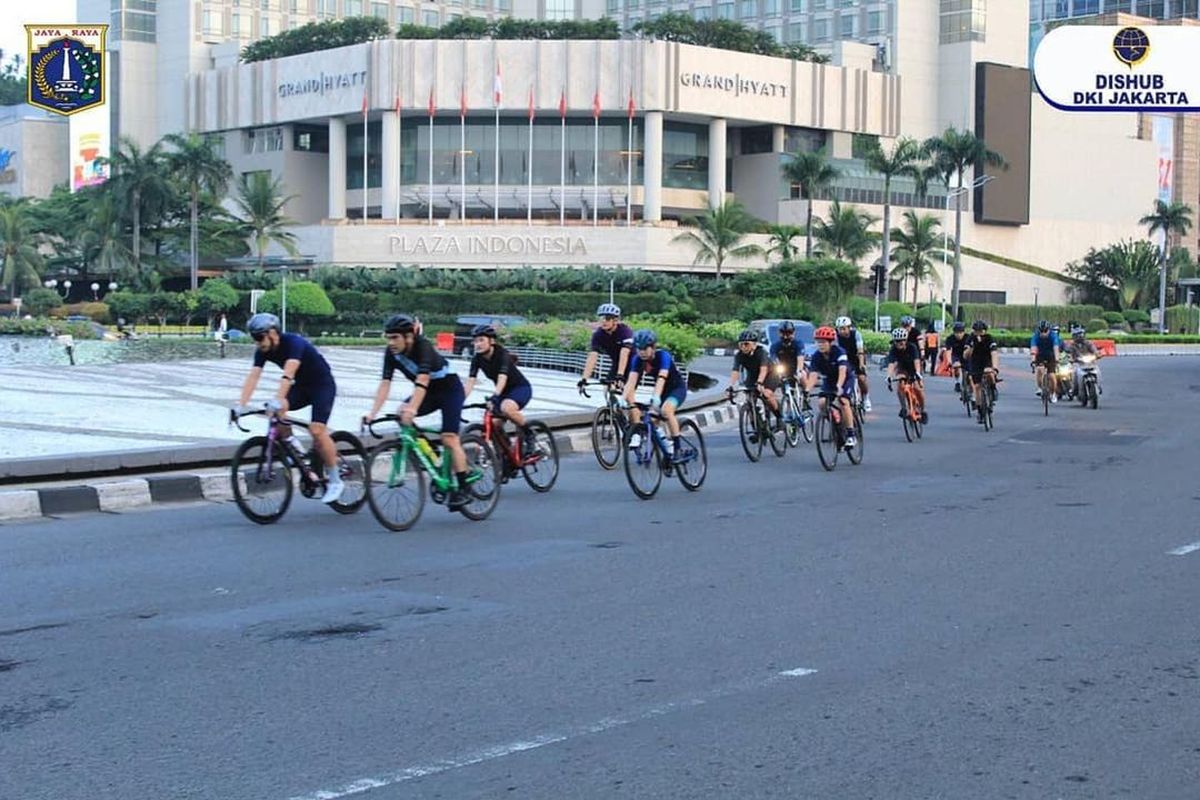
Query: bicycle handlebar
[(234, 416), (371, 423), (608, 385)]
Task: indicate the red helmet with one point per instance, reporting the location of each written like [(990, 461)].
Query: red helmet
[(825, 332)]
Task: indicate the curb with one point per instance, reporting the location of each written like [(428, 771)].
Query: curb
[(117, 494)]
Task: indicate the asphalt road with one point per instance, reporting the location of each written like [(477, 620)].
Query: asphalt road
[(977, 615)]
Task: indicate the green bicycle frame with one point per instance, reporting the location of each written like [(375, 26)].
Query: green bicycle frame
[(442, 476)]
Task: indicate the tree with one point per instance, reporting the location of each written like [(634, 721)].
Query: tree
[(846, 234), (101, 246), (1172, 219), (40, 302), (130, 306), (217, 296), (141, 184), (12, 80), (719, 235), (954, 152), (812, 173), (782, 238), (916, 243), (902, 160), (1123, 272), (823, 284), (200, 169), (261, 203), (162, 305), (317, 36), (305, 301), (18, 249)]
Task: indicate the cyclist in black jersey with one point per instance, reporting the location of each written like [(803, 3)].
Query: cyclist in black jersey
[(850, 340), (956, 343)]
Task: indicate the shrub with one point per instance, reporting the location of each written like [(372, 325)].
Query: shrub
[(39, 302), (775, 308), (40, 327), (96, 312), (1096, 325), (1136, 317), (1027, 317), (682, 342), (862, 311), (305, 301), (1115, 319), (876, 342), (721, 331)]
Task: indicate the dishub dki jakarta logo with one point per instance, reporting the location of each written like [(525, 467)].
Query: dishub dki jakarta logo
[(1131, 46)]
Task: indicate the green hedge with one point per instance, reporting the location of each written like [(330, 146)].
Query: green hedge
[(683, 343), (1182, 317), (431, 303), (1027, 317), (38, 327)]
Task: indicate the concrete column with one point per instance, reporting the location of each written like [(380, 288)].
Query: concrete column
[(778, 139), (391, 163), (716, 163), (337, 168), (652, 168), (841, 144)]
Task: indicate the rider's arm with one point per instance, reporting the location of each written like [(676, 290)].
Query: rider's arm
[(381, 396), (288, 378), (249, 385), (501, 382), (589, 366), (635, 377), (623, 358)]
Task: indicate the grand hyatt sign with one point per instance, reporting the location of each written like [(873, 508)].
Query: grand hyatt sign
[(322, 82), (735, 84), (433, 244)]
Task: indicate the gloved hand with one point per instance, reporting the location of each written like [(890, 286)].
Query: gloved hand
[(237, 409), (656, 401), (274, 405), (622, 402), (582, 383)]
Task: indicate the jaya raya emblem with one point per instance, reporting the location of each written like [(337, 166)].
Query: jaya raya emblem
[(1131, 46), (66, 67)]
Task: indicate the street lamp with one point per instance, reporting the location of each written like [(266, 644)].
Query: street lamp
[(112, 286), (54, 284), (95, 288), (1035, 302), (975, 184)]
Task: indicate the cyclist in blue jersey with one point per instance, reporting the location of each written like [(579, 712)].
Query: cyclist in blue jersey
[(850, 340), (831, 366), (306, 381), (669, 388), (1044, 350), (435, 388), (788, 352), (614, 339)]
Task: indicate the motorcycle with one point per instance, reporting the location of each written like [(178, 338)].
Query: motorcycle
[(1065, 373), (1089, 382)]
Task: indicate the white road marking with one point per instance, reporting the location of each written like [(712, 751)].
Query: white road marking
[(1183, 551), (500, 751)]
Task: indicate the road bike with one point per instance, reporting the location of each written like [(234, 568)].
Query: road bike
[(1043, 387), (830, 439), (798, 416), (911, 410), (609, 424), (398, 471), (531, 451), (757, 424), (262, 469), (987, 395), (646, 463)]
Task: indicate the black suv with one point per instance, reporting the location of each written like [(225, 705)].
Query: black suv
[(464, 342)]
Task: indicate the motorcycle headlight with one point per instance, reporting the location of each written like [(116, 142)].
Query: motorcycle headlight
[(1088, 359), (780, 369)]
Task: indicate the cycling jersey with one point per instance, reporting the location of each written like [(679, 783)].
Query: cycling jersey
[(905, 357), (914, 336), (956, 345), (852, 344), (500, 362), (790, 354), (611, 345), (981, 348), (750, 364), (827, 365), (421, 359), (659, 363), (314, 369), (1043, 347)]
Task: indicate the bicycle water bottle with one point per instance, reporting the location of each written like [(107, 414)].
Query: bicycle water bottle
[(836, 415), (424, 446)]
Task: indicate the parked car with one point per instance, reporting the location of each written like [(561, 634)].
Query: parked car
[(463, 341), (768, 332)]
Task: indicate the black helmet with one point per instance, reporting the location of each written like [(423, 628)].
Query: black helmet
[(979, 325), (484, 330), (787, 326), (399, 323), (958, 326), (747, 335), (1043, 326)]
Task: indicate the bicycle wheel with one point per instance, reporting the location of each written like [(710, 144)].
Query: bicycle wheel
[(808, 425), (606, 438), (855, 454), (352, 466), (792, 425), (395, 486), (748, 431), (827, 441), (262, 490), (906, 419), (643, 465), (485, 492), (692, 467), (772, 427), (541, 465)]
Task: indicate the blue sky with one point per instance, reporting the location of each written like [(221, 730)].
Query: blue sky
[(15, 15)]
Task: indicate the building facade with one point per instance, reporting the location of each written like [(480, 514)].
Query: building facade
[(33, 146)]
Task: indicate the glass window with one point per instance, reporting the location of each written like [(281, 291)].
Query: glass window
[(875, 21), (431, 19), (560, 9), (212, 21), (847, 25), (820, 30), (1085, 7), (748, 9), (1117, 5), (702, 13), (795, 34), (354, 155), (265, 140), (379, 10), (140, 5), (264, 26), (453, 17), (756, 140), (1152, 9), (724, 10), (353, 8), (404, 15), (235, 24), (771, 8), (216, 141), (1184, 8), (294, 6), (820, 5), (796, 6), (685, 156), (479, 3), (613, 6), (504, 5)]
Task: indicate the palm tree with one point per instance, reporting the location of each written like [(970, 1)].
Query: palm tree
[(781, 240), (902, 160), (813, 173), (916, 244), (1172, 219), (719, 234), (846, 234), (101, 246), (261, 203), (199, 168), (140, 180), (18, 248), (954, 152)]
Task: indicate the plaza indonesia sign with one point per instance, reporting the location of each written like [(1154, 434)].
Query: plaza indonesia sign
[(435, 244), (323, 83), (734, 84), (1113, 68)]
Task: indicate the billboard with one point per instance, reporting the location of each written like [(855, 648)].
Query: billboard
[(1003, 100), (88, 135), (1163, 133)]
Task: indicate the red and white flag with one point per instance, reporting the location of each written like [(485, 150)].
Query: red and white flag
[(397, 102), (364, 104), (631, 107), (596, 105), (497, 87), (531, 104), (432, 107), (562, 104), (462, 102)]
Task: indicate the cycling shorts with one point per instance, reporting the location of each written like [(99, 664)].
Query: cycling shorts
[(520, 395), (447, 398), (320, 397), (677, 396), (847, 389)]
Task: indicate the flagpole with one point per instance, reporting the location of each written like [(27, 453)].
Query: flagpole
[(462, 155), (595, 169), (629, 168), (365, 144), (529, 201), (562, 164), (431, 158), (399, 142), (496, 205)]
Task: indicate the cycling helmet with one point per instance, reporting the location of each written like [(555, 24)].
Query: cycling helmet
[(399, 323), (825, 334), (787, 326), (842, 322), (644, 338), (979, 325), (907, 320), (608, 310), (1043, 326), (958, 327), (1054, 329), (899, 335), (261, 323), (1078, 332), (484, 330), (748, 335)]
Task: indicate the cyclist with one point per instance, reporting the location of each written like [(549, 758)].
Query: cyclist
[(913, 332), (513, 391), (1079, 347), (831, 365), (670, 390), (956, 342), (850, 340), (435, 388), (904, 361), (788, 352), (306, 381), (1044, 350), (752, 365), (614, 339), (982, 357)]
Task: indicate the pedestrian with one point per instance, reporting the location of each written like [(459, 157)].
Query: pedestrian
[(222, 328), (931, 346)]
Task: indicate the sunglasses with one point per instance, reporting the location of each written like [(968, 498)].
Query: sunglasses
[(258, 337), (609, 318)]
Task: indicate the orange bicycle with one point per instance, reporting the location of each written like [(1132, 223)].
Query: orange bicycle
[(910, 407), (534, 454)]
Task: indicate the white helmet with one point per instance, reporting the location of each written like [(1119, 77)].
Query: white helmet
[(842, 322), (899, 335)]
